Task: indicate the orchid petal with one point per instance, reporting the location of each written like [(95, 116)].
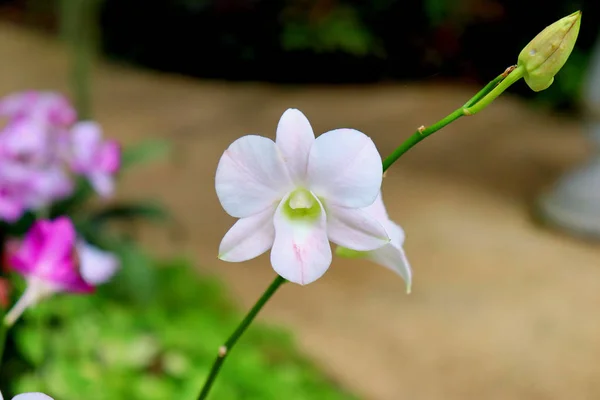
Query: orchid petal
[(96, 266), (301, 252), (378, 211), (251, 176), (249, 237), (355, 229), (344, 167), (294, 138), (394, 258), (32, 396)]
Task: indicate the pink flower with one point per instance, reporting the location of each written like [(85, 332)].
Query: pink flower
[(32, 174), (97, 160), (47, 260), (46, 107), (296, 194)]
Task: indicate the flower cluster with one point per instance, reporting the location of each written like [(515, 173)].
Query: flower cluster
[(295, 194), (42, 149)]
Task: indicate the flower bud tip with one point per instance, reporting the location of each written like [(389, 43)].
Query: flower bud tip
[(546, 54)]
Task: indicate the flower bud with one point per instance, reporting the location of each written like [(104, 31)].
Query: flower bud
[(545, 55)]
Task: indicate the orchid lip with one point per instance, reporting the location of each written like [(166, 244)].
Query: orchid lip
[(302, 205)]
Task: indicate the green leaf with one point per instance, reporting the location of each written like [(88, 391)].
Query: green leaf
[(136, 280), (146, 151), (133, 211), (83, 191)]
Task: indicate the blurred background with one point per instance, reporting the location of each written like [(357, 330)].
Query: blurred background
[(502, 306), (325, 41)]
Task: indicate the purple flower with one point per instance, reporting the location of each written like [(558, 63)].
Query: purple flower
[(42, 146), (94, 158), (32, 175), (47, 260), (47, 107)]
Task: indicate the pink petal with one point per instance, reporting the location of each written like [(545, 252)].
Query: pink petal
[(295, 138), (251, 176), (86, 139), (58, 109), (355, 229), (17, 103), (47, 107), (11, 209), (24, 258), (345, 168), (47, 185), (27, 139), (249, 237), (110, 157), (301, 252), (96, 266), (59, 241)]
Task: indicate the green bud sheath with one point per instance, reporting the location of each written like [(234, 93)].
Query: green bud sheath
[(545, 55)]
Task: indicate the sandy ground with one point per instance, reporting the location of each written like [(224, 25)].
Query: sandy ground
[(501, 308)]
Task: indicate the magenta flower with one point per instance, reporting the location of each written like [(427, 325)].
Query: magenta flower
[(94, 158), (47, 260), (47, 107)]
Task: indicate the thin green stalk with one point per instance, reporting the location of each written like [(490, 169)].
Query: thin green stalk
[(3, 334), (511, 78), (488, 88), (419, 135), (226, 348), (483, 98), (78, 30)]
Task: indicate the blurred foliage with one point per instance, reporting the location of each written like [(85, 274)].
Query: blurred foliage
[(102, 347), (340, 41), (339, 30)]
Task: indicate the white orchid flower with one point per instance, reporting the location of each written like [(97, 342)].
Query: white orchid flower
[(298, 193)]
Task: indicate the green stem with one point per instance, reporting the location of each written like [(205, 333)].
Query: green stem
[(3, 334), (418, 136), (483, 92), (239, 331), (477, 103), (78, 30), (512, 77)]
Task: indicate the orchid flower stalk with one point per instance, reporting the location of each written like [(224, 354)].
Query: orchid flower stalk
[(252, 196)]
